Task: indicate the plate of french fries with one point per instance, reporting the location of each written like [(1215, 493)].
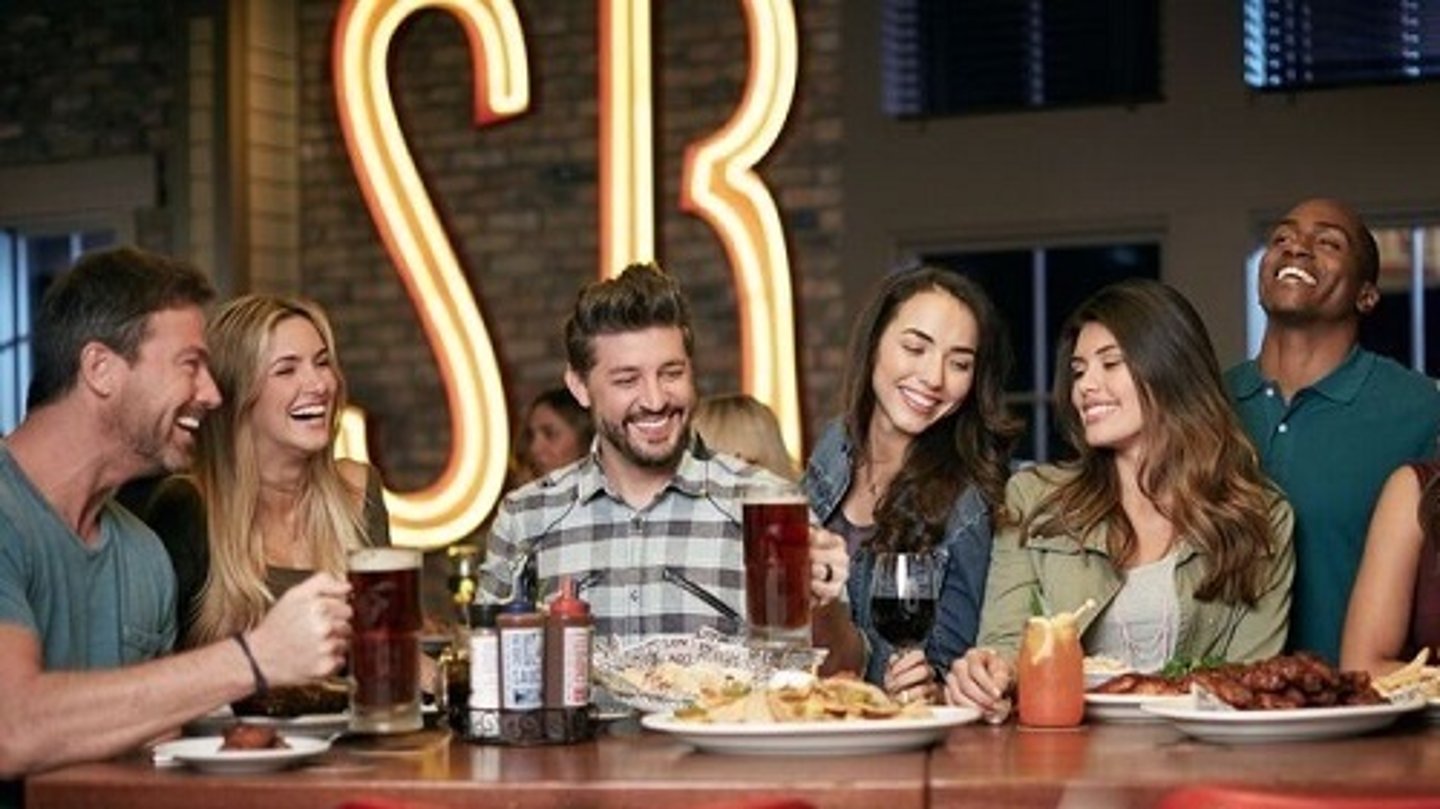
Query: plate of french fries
[(1414, 680), (800, 714)]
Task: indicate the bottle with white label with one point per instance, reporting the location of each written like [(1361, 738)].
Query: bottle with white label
[(521, 632), (482, 717)]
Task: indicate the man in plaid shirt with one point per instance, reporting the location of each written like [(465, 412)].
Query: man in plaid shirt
[(648, 524)]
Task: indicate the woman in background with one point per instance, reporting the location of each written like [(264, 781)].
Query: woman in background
[(268, 503), (918, 460), (743, 426), (1164, 519), (557, 431), (1395, 605)]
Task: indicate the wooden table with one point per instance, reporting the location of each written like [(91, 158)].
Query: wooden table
[(1099, 765), (626, 768), (1136, 765)]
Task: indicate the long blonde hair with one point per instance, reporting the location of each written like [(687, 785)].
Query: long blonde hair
[(227, 473), (743, 426)]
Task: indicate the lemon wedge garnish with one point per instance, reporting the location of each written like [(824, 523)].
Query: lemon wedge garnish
[(1045, 630)]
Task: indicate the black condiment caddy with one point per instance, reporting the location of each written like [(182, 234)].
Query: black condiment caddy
[(528, 677)]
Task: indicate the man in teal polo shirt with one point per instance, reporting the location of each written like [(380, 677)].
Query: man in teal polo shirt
[(1331, 420)]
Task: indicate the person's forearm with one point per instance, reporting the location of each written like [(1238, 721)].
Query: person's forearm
[(64, 717), (831, 628)]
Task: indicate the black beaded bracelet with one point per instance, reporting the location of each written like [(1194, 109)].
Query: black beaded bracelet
[(262, 686)]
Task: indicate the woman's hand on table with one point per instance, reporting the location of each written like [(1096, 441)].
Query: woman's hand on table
[(829, 565), (981, 679), (908, 677)]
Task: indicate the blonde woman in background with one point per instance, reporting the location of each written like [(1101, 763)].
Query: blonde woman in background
[(739, 424), (268, 504)]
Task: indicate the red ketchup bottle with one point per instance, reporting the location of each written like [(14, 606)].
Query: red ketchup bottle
[(569, 637)]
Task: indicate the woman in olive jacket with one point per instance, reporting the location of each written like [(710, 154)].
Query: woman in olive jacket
[(1164, 519)]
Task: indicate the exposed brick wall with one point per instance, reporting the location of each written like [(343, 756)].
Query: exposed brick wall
[(85, 80), (520, 201), (91, 80)]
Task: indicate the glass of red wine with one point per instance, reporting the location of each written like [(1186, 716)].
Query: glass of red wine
[(903, 591)]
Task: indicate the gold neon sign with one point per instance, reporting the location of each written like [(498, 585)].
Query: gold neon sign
[(627, 137), (456, 503), (720, 185)]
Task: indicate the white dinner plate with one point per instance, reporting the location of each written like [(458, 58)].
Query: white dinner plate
[(854, 737), (319, 725), (204, 753), (1098, 678), (1126, 707), (1296, 724)]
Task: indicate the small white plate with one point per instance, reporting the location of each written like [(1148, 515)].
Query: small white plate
[(315, 725), (855, 737), (204, 753), (318, 726), (1126, 707), (1296, 724)]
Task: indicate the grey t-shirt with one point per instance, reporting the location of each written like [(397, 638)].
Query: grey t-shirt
[(92, 607), (1142, 624)]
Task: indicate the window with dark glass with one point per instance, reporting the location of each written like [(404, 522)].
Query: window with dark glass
[(952, 57), (1299, 44), (28, 263), (1400, 325), (1035, 289)]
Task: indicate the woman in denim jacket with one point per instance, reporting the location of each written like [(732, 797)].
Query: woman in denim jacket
[(919, 459)]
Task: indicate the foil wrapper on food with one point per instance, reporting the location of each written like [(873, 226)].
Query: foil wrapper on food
[(667, 672)]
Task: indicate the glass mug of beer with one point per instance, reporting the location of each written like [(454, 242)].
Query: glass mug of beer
[(777, 568), (385, 644)]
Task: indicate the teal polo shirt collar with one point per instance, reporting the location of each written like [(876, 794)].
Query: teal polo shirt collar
[(1341, 385)]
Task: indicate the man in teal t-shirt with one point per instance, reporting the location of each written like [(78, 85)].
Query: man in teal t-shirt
[(1331, 420), (103, 604), (87, 595)]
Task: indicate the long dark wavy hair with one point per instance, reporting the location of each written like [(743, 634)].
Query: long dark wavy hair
[(970, 446), (1200, 468)]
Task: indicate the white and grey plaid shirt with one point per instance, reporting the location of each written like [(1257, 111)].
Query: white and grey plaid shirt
[(638, 569)]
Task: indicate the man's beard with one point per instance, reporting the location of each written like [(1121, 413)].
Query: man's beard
[(615, 436), (153, 444)]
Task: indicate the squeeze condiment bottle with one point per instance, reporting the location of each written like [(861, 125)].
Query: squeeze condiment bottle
[(569, 632), (522, 672), (482, 712)]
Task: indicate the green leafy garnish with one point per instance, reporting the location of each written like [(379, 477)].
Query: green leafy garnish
[(1177, 667)]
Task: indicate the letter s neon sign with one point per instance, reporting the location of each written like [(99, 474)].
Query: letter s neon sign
[(720, 186)]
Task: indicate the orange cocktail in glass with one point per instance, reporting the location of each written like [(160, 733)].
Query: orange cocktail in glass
[(1050, 673)]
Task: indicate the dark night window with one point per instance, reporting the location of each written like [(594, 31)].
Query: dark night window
[(28, 263), (1400, 326), (952, 57), (1035, 289), (1298, 44)]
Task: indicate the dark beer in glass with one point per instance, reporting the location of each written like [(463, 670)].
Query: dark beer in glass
[(777, 569), (385, 646)]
